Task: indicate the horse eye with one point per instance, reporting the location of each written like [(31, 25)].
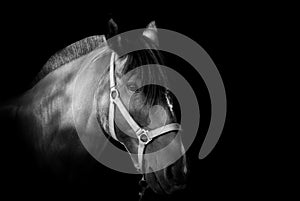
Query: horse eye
[(132, 87)]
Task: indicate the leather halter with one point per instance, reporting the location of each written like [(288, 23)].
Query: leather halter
[(144, 136)]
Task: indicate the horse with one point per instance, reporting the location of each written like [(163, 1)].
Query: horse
[(48, 118)]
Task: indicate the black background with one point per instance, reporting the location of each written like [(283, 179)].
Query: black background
[(232, 170)]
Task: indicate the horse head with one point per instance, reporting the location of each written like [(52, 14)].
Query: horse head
[(151, 106)]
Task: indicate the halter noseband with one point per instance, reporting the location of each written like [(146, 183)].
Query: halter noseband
[(144, 136)]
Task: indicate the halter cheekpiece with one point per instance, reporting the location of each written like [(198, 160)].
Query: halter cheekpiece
[(144, 136)]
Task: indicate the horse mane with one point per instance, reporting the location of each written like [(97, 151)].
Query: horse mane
[(70, 53)]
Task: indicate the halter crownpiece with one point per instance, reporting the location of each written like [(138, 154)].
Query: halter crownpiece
[(144, 136)]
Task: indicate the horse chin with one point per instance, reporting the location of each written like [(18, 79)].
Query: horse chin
[(155, 184), (165, 176), (160, 184)]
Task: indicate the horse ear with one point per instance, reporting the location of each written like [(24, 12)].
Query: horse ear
[(112, 28), (151, 33), (115, 43)]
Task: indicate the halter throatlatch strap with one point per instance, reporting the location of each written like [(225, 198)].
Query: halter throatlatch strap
[(144, 136)]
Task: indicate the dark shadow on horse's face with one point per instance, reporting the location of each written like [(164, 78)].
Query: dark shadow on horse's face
[(162, 175)]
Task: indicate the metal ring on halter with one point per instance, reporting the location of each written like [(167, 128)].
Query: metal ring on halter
[(143, 136), (114, 94)]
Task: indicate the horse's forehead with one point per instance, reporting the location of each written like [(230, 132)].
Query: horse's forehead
[(134, 77)]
